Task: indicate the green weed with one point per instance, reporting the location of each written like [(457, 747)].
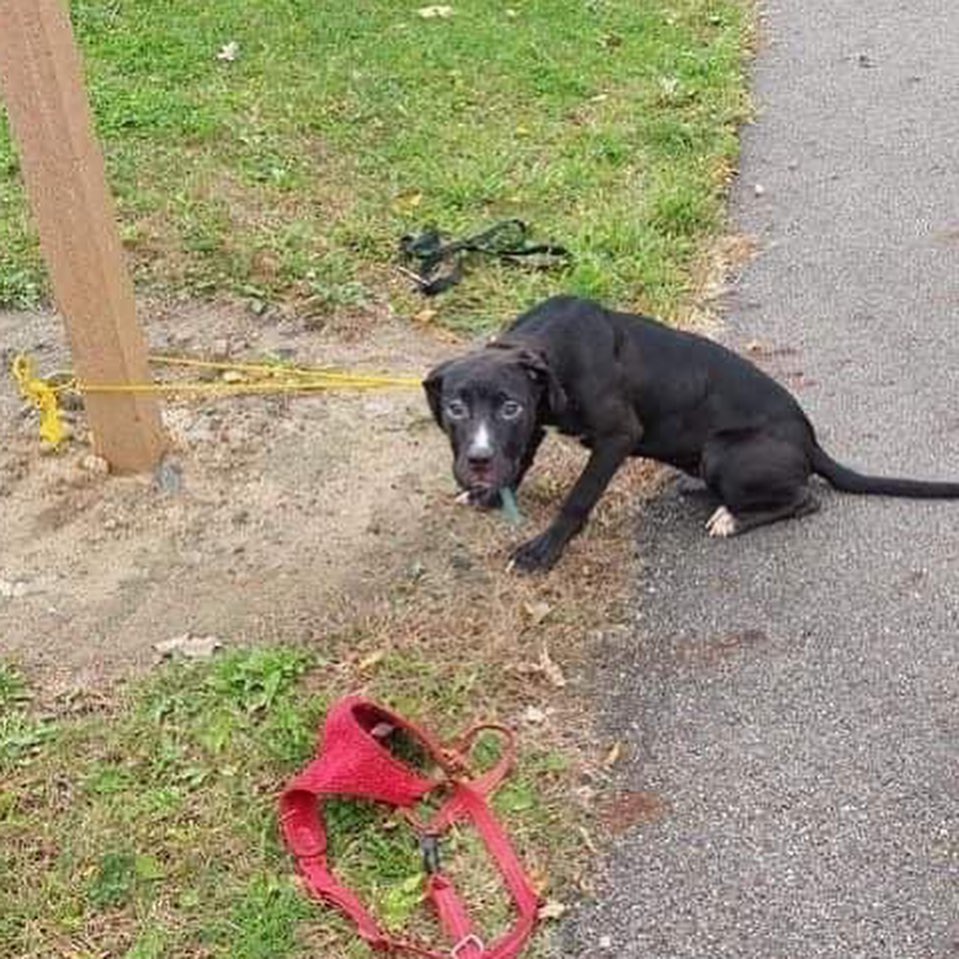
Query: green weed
[(152, 831), (291, 172)]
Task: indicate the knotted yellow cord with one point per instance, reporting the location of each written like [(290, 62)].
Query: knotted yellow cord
[(257, 378)]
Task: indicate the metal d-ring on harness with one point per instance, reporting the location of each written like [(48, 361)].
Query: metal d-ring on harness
[(354, 760), (506, 240)]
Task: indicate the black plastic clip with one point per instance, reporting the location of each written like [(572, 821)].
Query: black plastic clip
[(430, 847)]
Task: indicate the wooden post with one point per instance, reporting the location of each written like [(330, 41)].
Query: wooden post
[(41, 80)]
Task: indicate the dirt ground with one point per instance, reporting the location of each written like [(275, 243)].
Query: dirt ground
[(297, 516)]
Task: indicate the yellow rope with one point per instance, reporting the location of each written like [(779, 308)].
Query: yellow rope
[(258, 378), (326, 374), (44, 398)]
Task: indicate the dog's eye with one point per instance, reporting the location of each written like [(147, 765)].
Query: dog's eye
[(456, 410), (510, 410)]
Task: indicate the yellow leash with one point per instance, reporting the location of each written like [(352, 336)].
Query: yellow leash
[(251, 378)]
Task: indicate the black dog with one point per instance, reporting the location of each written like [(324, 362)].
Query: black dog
[(628, 386)]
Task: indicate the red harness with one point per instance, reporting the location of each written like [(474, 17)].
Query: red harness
[(353, 761)]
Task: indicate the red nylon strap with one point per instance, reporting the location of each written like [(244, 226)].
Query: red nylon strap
[(452, 915), (353, 761)]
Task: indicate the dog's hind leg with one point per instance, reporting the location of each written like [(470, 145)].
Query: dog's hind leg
[(759, 479), (723, 522)]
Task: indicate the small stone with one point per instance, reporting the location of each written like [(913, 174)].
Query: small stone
[(168, 477), (534, 715), (759, 189), (95, 464), (605, 942), (13, 588)]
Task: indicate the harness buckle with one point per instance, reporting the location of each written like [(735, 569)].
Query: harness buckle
[(471, 940), (430, 847)]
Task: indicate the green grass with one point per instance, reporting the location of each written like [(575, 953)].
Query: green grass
[(289, 174), (151, 831)]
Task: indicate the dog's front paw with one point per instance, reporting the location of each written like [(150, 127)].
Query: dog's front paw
[(536, 555)]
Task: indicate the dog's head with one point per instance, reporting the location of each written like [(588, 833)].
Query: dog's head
[(490, 404)]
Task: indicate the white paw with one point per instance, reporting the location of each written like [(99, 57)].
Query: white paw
[(722, 523), (464, 498)]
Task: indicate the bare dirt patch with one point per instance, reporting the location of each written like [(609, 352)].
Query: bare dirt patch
[(299, 519), (283, 504)]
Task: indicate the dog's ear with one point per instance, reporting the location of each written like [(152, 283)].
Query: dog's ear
[(538, 367), (433, 386)]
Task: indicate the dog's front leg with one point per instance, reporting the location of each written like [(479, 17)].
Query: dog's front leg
[(540, 553)]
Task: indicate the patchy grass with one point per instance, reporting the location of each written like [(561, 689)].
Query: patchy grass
[(149, 829), (144, 826), (291, 172)]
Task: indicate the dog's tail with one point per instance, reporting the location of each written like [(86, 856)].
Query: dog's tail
[(849, 481)]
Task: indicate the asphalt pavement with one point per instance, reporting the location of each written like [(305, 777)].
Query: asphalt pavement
[(790, 698)]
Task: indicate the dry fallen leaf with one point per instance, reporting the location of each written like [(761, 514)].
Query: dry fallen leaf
[(406, 202), (588, 841), (229, 52), (368, 662), (539, 880), (433, 13), (551, 909), (537, 612), (552, 672), (613, 756), (191, 647)]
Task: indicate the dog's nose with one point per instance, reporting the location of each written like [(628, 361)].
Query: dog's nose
[(479, 461)]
